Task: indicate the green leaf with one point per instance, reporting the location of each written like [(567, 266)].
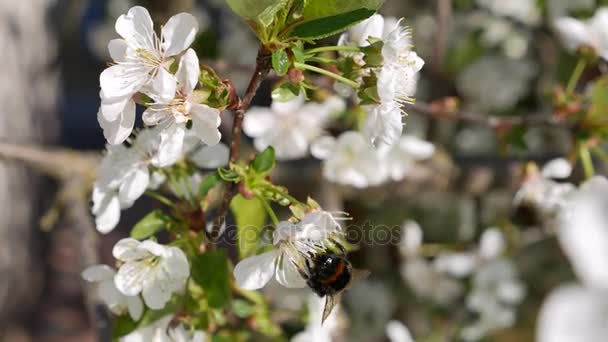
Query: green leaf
[(150, 225), (280, 62), (286, 92), (250, 217), (316, 9), (251, 9), (122, 326), (264, 161), (211, 272), (269, 13), (210, 182), (328, 26)]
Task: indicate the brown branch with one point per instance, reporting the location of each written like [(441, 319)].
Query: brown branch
[(262, 69), (438, 112)]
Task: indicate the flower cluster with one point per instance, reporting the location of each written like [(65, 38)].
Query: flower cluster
[(396, 76), (143, 61), (147, 268), (350, 160)]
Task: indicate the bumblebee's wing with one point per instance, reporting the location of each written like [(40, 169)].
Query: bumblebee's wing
[(357, 275), (330, 303)]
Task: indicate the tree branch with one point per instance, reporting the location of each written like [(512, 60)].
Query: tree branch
[(262, 69), (438, 111)]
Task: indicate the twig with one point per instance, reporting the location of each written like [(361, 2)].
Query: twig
[(486, 120), (262, 69)]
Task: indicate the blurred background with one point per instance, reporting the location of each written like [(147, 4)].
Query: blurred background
[(493, 57)]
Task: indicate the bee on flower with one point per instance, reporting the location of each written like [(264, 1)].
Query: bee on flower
[(307, 253)]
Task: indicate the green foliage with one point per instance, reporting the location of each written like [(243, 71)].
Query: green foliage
[(264, 161), (316, 9), (124, 325), (250, 216), (280, 62), (328, 26), (151, 224), (210, 182), (252, 9), (211, 272), (286, 92)]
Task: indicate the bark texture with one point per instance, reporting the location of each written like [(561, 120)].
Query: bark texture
[(28, 95)]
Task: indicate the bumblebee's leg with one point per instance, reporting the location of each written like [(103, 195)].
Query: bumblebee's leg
[(339, 245)]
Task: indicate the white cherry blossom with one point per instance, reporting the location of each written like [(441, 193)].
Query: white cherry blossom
[(592, 33), (161, 331), (172, 114), (154, 270), (496, 293), (397, 77), (141, 62), (293, 242), (397, 81), (290, 126), (126, 173), (524, 11), (118, 303), (401, 156), (350, 160)]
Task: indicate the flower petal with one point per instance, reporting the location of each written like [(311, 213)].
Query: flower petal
[(384, 123), (107, 213), (256, 271), (398, 332), (205, 123), (163, 86), (558, 168), (288, 276), (323, 147), (98, 273), (573, 313), (188, 71), (416, 147), (178, 33), (156, 296), (573, 33), (117, 131), (135, 307), (211, 157), (137, 28), (177, 263), (171, 145), (112, 107), (288, 107), (154, 248), (124, 80), (134, 186), (128, 249), (258, 121), (118, 50), (131, 277)]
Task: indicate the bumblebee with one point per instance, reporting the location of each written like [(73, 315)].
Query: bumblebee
[(328, 274)]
